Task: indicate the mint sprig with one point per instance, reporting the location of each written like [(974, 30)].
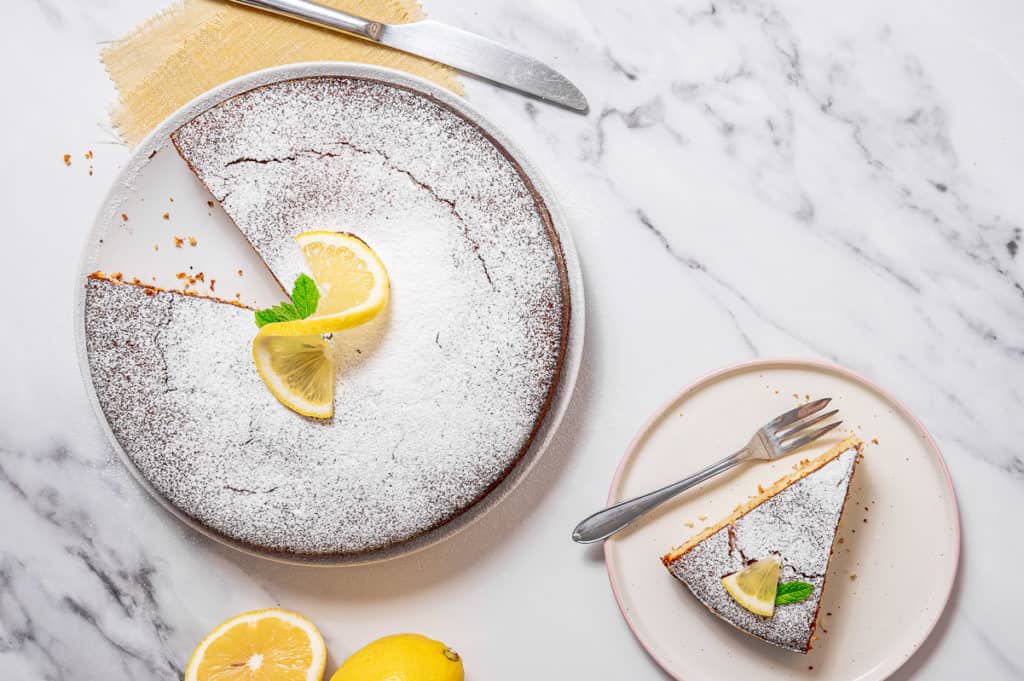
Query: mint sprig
[(305, 297), (793, 592)]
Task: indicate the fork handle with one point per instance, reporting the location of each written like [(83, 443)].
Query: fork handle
[(607, 522)]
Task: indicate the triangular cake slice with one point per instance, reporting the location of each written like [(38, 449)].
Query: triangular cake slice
[(794, 520)]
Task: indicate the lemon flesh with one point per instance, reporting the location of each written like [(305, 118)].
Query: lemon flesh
[(350, 277), (402, 657), (754, 586), (263, 645), (298, 370)]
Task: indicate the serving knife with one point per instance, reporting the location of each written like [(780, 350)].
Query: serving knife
[(442, 43)]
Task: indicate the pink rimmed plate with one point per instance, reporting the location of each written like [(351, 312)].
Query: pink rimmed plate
[(889, 579)]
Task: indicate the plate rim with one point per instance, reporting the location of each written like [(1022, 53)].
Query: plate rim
[(159, 138), (787, 362)]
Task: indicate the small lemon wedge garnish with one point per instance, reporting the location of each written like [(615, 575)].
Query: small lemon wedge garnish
[(754, 587)]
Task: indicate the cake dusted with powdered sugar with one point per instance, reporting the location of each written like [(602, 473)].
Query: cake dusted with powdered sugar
[(437, 399), (794, 520)]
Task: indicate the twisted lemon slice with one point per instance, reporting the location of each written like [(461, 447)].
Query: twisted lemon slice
[(352, 281), (291, 356)]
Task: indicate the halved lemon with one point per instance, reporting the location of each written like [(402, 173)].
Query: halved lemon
[(352, 281), (297, 370), (263, 645), (754, 586)]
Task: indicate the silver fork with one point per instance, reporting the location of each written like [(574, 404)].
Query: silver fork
[(782, 435)]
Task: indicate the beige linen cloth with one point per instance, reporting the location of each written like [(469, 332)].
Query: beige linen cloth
[(195, 45)]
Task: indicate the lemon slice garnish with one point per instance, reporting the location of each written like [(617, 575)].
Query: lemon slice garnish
[(263, 645), (297, 370), (352, 281), (291, 357), (754, 586)]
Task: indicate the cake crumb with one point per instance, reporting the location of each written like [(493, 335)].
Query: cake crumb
[(828, 614), (239, 272), (874, 440), (213, 282), (124, 217), (180, 275), (776, 392), (166, 216), (192, 241), (760, 490), (171, 199), (238, 295), (702, 518), (210, 204), (67, 159), (117, 276), (156, 247), (796, 396), (200, 277), (88, 154), (842, 540), (853, 577), (688, 523), (178, 241), (90, 171)]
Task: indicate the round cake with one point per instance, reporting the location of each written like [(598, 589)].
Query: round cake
[(436, 400)]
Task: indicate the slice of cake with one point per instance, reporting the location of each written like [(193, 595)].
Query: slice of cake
[(794, 523)]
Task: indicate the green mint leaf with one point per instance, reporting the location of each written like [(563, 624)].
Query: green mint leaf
[(305, 296), (284, 312), (793, 592)]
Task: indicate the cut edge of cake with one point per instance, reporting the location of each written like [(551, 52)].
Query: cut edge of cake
[(116, 279), (806, 467)]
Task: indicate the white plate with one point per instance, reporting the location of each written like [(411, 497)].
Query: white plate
[(156, 181), (904, 557)]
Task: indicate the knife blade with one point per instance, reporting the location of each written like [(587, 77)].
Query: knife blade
[(440, 42)]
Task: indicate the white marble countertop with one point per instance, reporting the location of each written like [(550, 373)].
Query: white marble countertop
[(755, 178)]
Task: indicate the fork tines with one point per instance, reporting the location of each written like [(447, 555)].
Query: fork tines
[(780, 428)]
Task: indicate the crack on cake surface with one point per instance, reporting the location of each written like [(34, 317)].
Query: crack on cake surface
[(425, 186)]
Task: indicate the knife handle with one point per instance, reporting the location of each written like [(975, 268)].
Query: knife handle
[(321, 16)]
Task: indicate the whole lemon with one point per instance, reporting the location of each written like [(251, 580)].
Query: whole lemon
[(402, 657)]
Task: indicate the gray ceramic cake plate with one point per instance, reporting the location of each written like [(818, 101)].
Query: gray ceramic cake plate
[(156, 198)]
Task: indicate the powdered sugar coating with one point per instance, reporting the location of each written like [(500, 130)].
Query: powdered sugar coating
[(798, 525), (436, 400)]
